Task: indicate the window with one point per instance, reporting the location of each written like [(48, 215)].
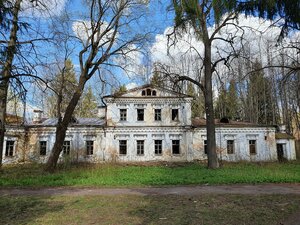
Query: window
[(252, 147), (230, 146), (158, 147), (9, 151), (174, 114), (148, 92), (157, 114), (153, 93), (205, 147), (143, 93), (89, 147), (43, 147), (140, 114), (123, 114), (140, 147), (175, 147), (66, 147), (123, 147)]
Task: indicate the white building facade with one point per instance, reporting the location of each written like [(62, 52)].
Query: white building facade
[(144, 124)]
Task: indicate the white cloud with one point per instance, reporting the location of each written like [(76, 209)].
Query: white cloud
[(131, 85), (42, 8)]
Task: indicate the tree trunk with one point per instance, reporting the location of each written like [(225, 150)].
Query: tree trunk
[(209, 109), (63, 126), (6, 73)]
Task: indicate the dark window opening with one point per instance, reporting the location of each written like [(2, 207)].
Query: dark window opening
[(224, 120), (9, 150), (140, 147), (230, 146), (43, 147), (66, 147), (148, 92), (174, 114), (89, 147), (157, 114), (140, 114), (122, 147), (153, 93), (123, 114), (158, 147), (175, 147), (252, 147), (205, 147), (143, 93)]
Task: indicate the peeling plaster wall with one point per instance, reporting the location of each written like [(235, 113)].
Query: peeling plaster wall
[(265, 143)]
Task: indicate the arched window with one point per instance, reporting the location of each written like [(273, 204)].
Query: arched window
[(153, 93), (143, 93), (148, 92)]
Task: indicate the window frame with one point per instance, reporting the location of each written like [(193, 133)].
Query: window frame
[(66, 148), (123, 114), (175, 145), (89, 147), (175, 116), (230, 147), (252, 146), (140, 112), (123, 145), (43, 148), (140, 147), (158, 147), (157, 115), (11, 151)]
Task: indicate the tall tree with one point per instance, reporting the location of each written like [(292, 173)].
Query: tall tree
[(87, 106), (106, 33)]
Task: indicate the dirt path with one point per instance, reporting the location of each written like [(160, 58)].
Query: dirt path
[(177, 190)]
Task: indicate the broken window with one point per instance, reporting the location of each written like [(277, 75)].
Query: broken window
[(157, 114), (175, 147), (174, 114), (230, 146), (43, 147), (252, 147), (66, 147), (122, 147), (143, 93), (148, 92), (140, 147), (158, 147), (153, 93), (123, 114), (205, 147), (140, 114), (9, 150), (89, 147)]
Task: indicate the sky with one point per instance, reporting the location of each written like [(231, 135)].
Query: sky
[(159, 21)]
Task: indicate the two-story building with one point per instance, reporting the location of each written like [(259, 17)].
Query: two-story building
[(145, 124)]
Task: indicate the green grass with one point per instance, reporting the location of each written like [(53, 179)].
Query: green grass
[(112, 175), (158, 210)]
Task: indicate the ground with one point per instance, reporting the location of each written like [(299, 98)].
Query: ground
[(201, 204)]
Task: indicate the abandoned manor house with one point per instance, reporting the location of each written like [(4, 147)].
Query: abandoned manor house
[(147, 123)]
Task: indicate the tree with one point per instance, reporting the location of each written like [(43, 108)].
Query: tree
[(104, 36), (197, 102), (198, 15), (87, 106)]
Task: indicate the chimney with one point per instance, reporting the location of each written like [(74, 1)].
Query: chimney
[(37, 116), (101, 111)]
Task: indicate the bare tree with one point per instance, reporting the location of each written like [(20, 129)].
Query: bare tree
[(104, 35)]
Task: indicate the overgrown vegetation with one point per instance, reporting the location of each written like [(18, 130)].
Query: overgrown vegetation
[(133, 209), (116, 175)]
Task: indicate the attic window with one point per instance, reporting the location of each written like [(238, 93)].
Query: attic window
[(143, 93), (148, 92), (153, 93), (224, 120)]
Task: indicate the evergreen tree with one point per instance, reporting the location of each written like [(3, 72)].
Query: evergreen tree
[(232, 101), (87, 107), (197, 102)]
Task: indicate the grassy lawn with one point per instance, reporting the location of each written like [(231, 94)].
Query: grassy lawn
[(169, 209), (112, 175)]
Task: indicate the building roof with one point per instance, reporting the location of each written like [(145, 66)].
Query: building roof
[(283, 136), (200, 122), (51, 122)]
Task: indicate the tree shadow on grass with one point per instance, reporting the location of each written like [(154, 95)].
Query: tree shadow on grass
[(26, 209)]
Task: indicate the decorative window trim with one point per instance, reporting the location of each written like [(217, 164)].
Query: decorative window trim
[(175, 136), (121, 136), (140, 136)]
